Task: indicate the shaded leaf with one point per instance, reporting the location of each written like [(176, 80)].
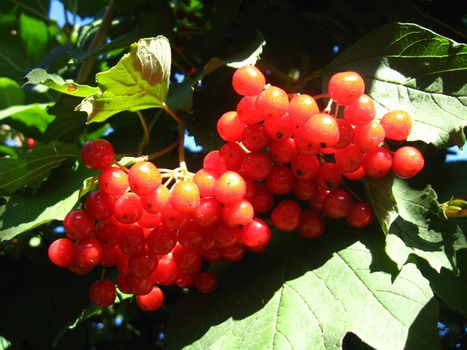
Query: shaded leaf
[(56, 82), (10, 94), (53, 201), (299, 295), (18, 172), (35, 35), (414, 223), (140, 80), (412, 68)]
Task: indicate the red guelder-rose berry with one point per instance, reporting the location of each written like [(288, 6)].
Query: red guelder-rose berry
[(206, 282), (206, 180), (99, 205), (272, 102), (305, 166), (172, 217), (185, 196), (131, 240), (361, 111), (286, 215), (407, 162), (397, 125), (102, 293), (78, 224), (230, 128), (280, 180), (329, 176), (238, 213), (256, 166), (246, 110), (187, 259), (155, 201), (231, 154), (311, 225), (144, 178), (151, 301), (348, 158), (359, 215), (282, 151), (229, 188), (255, 137), (369, 136), (61, 252), (128, 208), (322, 129), (337, 203), (142, 264), (301, 108), (212, 162), (208, 212), (97, 154), (88, 253), (256, 235), (263, 199), (248, 81), (377, 162), (161, 240), (345, 87), (280, 127), (113, 181), (166, 272)]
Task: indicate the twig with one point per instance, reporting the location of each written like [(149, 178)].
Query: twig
[(170, 112)]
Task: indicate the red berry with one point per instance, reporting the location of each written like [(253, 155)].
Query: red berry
[(337, 204), (301, 108), (113, 181), (212, 162), (349, 158), (280, 180), (185, 197), (369, 136), (263, 199), (230, 128), (155, 201), (208, 212), (407, 162), (172, 217), (142, 264), (329, 176), (100, 205), (272, 102), (187, 259), (161, 240), (102, 293), (128, 208), (256, 166), (248, 81), (256, 235), (78, 224), (397, 125), (359, 215), (355, 175), (305, 166), (283, 151), (166, 272), (361, 111), (311, 225), (303, 144), (151, 301), (345, 87), (377, 162), (206, 180), (97, 154), (191, 234), (230, 188), (286, 215), (131, 240), (108, 232), (255, 137), (322, 129), (231, 155), (61, 252), (88, 253), (246, 110), (304, 189), (206, 282), (345, 134), (280, 127), (238, 213), (144, 178)]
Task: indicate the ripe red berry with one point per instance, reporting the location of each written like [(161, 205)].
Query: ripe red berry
[(246, 110), (172, 217), (407, 162), (185, 196), (113, 181), (108, 232), (280, 127), (142, 264), (345, 134), (283, 151), (229, 188), (369, 136), (151, 301), (206, 282), (301, 108), (304, 189), (238, 213), (248, 81), (286, 215), (311, 225), (256, 166), (155, 201), (224, 236), (255, 137), (97, 154), (99, 205), (256, 235), (88, 253), (397, 125), (230, 128), (337, 204), (102, 293), (280, 180), (231, 155), (78, 224), (272, 102), (322, 129), (345, 87), (377, 162), (131, 240), (349, 158), (166, 272), (128, 208), (208, 212), (361, 111), (329, 176), (144, 178), (305, 166), (263, 199), (303, 144), (61, 252), (206, 180), (212, 162), (187, 259), (355, 175), (359, 215), (161, 240)]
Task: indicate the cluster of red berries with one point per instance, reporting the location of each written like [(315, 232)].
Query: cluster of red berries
[(275, 146)]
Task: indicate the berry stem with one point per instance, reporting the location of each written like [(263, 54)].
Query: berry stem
[(145, 128), (170, 112), (124, 168), (352, 193), (181, 149), (320, 96), (164, 150)]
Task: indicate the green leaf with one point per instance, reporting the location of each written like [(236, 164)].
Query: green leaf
[(56, 82), (35, 166), (414, 223), (308, 295), (10, 93), (35, 35), (409, 67), (53, 201), (140, 80)]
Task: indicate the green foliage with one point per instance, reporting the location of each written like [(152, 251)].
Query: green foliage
[(387, 285)]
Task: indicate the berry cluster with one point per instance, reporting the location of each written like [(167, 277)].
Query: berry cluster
[(281, 154)]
